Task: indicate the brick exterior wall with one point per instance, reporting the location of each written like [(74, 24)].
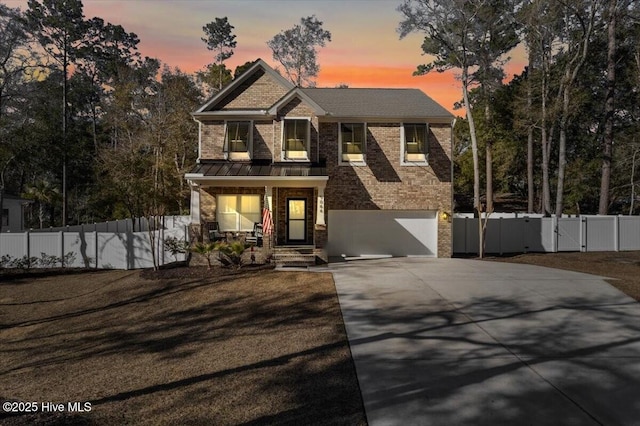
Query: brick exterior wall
[(213, 140), (263, 140), (385, 184), (260, 91), (295, 108)]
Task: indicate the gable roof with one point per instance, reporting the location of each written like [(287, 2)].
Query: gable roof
[(257, 65), (335, 102), (297, 92), (376, 103)]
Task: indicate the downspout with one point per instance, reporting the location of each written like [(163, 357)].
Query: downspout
[(273, 140), (452, 201), (199, 138)]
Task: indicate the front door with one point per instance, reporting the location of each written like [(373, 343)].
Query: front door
[(296, 220)]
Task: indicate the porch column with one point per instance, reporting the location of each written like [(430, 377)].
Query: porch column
[(268, 191), (269, 234), (320, 207), (195, 204)]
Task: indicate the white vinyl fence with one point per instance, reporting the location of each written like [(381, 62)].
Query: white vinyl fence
[(547, 234), (123, 225), (122, 249)]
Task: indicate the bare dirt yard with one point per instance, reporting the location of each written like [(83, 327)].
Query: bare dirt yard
[(621, 268), (186, 346)]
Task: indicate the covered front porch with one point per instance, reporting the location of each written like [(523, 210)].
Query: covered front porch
[(286, 200)]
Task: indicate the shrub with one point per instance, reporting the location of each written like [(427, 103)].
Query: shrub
[(230, 254), (205, 249), (45, 261), (69, 259), (176, 246), (48, 261), (24, 262), (5, 261)]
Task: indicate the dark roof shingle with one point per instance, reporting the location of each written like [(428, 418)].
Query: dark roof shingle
[(382, 103)]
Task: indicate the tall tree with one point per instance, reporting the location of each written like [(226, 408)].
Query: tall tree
[(16, 58), (607, 148), (214, 77), (462, 34), (242, 68), (60, 27), (579, 20), (109, 49), (541, 34), (16, 62), (220, 38), (558, 35), (530, 131), (494, 36), (155, 145), (296, 50)]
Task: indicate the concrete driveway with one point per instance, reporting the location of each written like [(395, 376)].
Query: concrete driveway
[(464, 342)]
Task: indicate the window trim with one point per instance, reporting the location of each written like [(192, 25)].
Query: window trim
[(403, 143), (307, 151), (238, 214), (362, 162), (238, 155)]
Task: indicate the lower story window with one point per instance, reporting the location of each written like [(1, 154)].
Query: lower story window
[(238, 212)]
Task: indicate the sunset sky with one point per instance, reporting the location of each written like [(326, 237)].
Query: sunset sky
[(365, 50)]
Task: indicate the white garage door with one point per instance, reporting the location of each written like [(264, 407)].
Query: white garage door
[(382, 232)]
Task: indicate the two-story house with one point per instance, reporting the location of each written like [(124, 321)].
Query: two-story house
[(342, 171)]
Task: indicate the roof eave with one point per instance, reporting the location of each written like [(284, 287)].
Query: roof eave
[(257, 181), (386, 119), (250, 114)]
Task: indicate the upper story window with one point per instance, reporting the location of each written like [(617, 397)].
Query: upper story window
[(237, 140), (414, 143), (296, 136), (352, 142)]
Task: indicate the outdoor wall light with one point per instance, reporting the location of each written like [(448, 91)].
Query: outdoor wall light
[(445, 216)]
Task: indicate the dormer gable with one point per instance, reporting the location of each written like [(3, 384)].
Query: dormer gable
[(296, 102)]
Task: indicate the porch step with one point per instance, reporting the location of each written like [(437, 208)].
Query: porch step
[(294, 256)]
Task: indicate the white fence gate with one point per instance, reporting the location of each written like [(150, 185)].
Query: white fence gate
[(548, 234), (98, 249)]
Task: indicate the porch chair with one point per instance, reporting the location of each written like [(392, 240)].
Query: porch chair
[(256, 235), (214, 232)]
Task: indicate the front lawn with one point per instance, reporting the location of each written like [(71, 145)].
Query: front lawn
[(622, 268), (257, 347)]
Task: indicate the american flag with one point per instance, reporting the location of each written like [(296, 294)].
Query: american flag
[(267, 225)]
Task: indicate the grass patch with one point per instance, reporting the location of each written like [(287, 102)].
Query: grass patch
[(621, 268), (252, 347)]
